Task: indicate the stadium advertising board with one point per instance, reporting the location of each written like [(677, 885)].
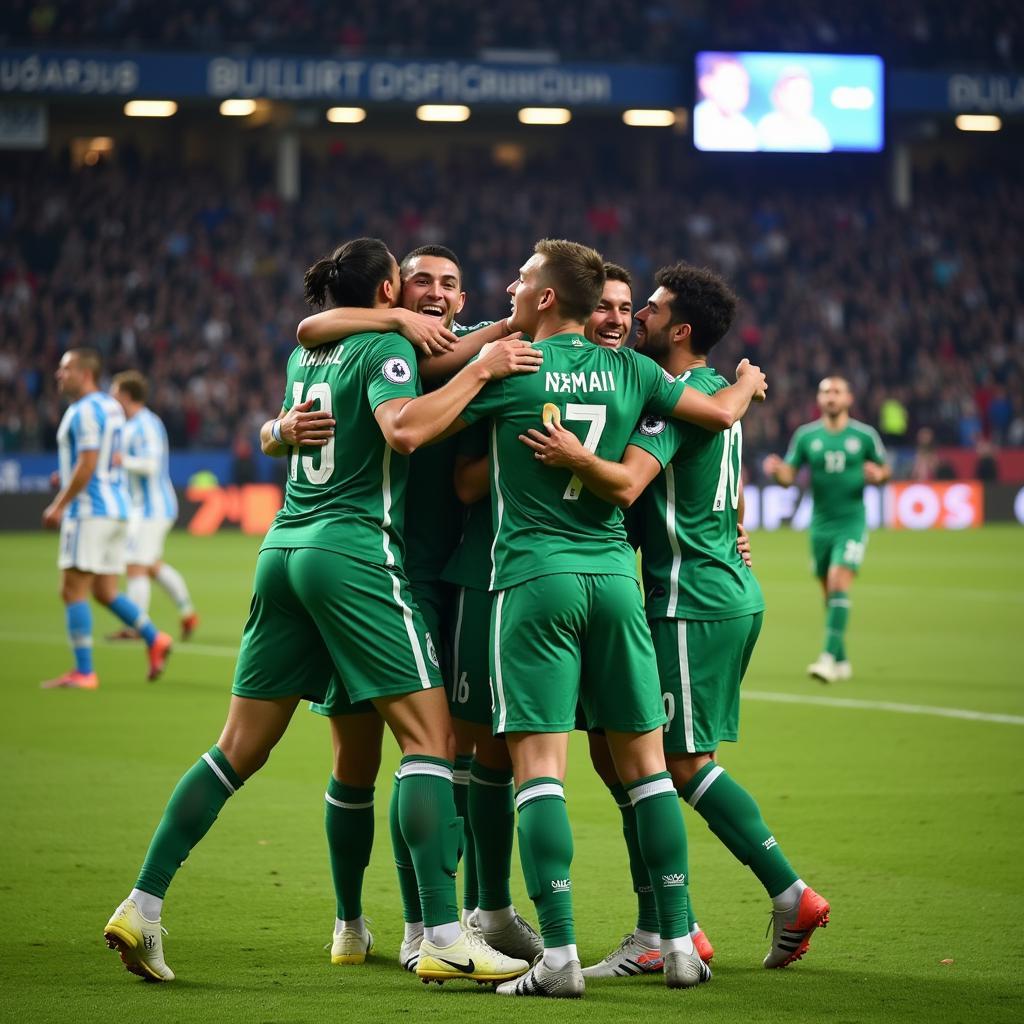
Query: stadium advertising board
[(961, 505), (788, 103), (280, 77)]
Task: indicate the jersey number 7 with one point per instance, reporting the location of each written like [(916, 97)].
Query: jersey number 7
[(596, 416)]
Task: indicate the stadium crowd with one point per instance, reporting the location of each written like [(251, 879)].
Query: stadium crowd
[(917, 32), (199, 283)]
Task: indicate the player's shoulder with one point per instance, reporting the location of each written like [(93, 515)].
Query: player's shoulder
[(705, 379), (807, 429), (858, 426)]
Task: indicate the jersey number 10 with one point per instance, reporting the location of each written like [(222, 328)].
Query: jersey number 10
[(321, 393), (729, 475)]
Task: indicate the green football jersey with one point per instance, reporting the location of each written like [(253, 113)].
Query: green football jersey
[(470, 563), (686, 519), (433, 520), (349, 495), (544, 520), (836, 458)]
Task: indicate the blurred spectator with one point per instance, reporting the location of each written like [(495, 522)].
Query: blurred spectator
[(926, 460), (199, 284), (987, 467), (892, 420)]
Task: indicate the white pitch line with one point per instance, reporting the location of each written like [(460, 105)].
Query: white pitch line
[(226, 651), (884, 705)]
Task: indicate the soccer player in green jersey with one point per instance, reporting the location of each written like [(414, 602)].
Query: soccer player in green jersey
[(431, 289), (331, 609), (568, 617), (704, 606), (843, 455), (609, 325)]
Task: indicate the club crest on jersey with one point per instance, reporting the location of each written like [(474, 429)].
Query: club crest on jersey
[(431, 652), (397, 371), (652, 425), (852, 445), (816, 445)]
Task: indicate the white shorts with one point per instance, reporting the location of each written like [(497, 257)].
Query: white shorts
[(146, 540), (93, 545)]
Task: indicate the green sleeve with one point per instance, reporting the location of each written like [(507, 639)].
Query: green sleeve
[(796, 456), (661, 389), (658, 437), (391, 370), (460, 332), (489, 401), (875, 449)]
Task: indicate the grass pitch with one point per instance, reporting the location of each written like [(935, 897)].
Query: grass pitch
[(910, 823)]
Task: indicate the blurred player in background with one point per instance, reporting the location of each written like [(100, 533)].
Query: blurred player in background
[(154, 506), (91, 510), (568, 610), (331, 611), (704, 608), (843, 455), (431, 291)]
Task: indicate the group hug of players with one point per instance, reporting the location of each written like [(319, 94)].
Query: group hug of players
[(452, 561)]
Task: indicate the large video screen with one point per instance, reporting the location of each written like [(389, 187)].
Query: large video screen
[(788, 103)]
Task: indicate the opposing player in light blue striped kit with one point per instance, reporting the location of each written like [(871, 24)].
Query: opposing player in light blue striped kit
[(91, 511), (154, 506)]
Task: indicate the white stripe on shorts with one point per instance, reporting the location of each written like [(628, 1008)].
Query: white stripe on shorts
[(499, 686), (410, 628), (684, 685)]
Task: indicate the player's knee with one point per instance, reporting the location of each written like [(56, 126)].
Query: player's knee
[(684, 768)]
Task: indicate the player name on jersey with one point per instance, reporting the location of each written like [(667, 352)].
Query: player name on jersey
[(596, 380), (322, 356)]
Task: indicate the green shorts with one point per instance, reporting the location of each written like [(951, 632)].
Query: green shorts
[(327, 627), (570, 636), (843, 545), (469, 696), (701, 665)]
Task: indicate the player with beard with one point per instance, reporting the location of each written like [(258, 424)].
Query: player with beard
[(431, 290), (568, 617), (704, 605)]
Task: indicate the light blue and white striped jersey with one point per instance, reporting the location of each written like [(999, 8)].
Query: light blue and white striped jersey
[(146, 461), (94, 423)]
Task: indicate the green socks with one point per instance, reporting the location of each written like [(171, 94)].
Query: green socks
[(412, 913), (348, 820), (647, 908), (733, 816), (545, 848), (432, 832), (193, 808), (662, 838), (470, 897), (493, 818), (837, 615)]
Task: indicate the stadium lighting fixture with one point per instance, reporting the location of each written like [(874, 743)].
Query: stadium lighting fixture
[(150, 108), (346, 115), (237, 108), (442, 112), (649, 118), (978, 122), (545, 115)]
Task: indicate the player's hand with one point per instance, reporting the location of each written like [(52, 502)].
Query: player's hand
[(875, 474), (747, 369), (771, 465), (554, 446), (55, 479), (304, 425), (427, 333), (52, 516), (509, 355), (743, 545)]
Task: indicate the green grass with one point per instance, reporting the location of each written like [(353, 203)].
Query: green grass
[(910, 824)]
